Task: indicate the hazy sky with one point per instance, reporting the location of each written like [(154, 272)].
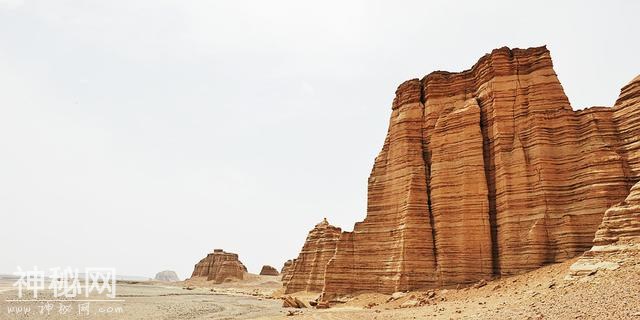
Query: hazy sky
[(141, 135)]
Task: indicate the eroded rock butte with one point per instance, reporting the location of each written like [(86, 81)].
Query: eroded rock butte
[(483, 172), (219, 266)]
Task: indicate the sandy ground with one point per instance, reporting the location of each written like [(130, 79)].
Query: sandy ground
[(149, 300), (541, 294)]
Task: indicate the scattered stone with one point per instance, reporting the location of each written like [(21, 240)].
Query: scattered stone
[(292, 302), (396, 296), (411, 304), (480, 283)]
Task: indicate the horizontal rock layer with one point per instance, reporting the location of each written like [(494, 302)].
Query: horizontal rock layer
[(621, 223), (486, 172), (219, 266), (285, 272), (306, 273), (269, 271)]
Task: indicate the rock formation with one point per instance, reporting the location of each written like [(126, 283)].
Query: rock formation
[(269, 271), (167, 275), (219, 266), (286, 271), (618, 234), (483, 172), (307, 273), (621, 223)]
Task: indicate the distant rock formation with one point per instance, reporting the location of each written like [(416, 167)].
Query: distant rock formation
[(307, 272), (286, 271), (219, 266), (269, 271), (167, 275), (483, 172)]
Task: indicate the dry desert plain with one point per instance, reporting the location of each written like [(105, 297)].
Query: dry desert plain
[(545, 293)]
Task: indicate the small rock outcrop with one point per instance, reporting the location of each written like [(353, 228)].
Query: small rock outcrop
[(621, 223), (219, 266), (167, 275), (618, 234), (307, 272), (286, 271), (269, 271)]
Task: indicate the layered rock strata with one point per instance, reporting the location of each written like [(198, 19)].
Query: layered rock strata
[(621, 223), (486, 172), (285, 272), (307, 272), (219, 266), (269, 271), (617, 236)]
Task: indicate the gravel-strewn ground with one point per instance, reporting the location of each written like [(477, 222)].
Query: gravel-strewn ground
[(540, 294)]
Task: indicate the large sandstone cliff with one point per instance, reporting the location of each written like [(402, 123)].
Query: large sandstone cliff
[(306, 273), (486, 172), (219, 266)]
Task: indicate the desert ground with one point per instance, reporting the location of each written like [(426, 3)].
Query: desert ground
[(545, 293)]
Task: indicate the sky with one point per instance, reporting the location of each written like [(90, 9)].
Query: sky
[(143, 134)]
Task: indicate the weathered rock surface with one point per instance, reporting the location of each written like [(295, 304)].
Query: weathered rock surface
[(621, 223), (286, 271), (307, 272), (292, 302), (220, 266), (485, 172), (618, 234), (269, 271), (167, 275)]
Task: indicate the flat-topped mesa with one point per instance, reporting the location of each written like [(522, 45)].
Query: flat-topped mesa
[(307, 272), (486, 172), (219, 266)]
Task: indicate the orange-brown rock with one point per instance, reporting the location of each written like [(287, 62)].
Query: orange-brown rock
[(269, 271), (486, 172), (618, 234), (286, 271), (621, 223), (307, 272), (219, 266)]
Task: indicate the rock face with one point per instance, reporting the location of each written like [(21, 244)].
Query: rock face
[(621, 223), (269, 271), (167, 275), (618, 234), (484, 172), (286, 271), (219, 266), (307, 272)]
